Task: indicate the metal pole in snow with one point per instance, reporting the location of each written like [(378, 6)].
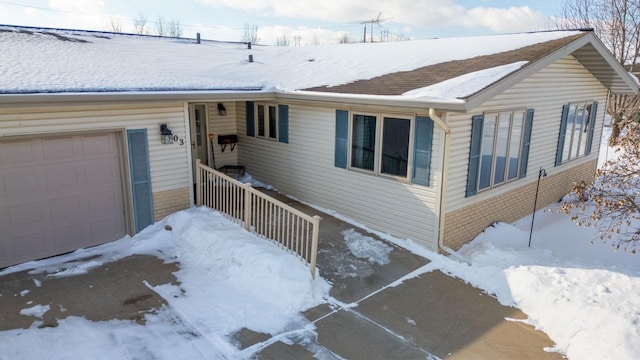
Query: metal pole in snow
[(541, 173)]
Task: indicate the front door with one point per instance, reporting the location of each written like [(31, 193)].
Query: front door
[(199, 137)]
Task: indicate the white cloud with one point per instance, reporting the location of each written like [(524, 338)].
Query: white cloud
[(425, 14)]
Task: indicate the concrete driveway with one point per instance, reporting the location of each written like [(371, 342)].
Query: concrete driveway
[(424, 317)]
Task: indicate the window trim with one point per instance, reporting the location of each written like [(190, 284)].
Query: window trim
[(267, 118), (379, 136), (506, 180)]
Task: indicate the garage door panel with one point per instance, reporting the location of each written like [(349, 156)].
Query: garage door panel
[(29, 245), (107, 201), (56, 149), (25, 216), (19, 151), (98, 145), (58, 194), (67, 207), (69, 238), (19, 183), (63, 178), (106, 229), (102, 171)]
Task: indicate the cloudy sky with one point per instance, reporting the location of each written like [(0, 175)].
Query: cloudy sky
[(309, 21)]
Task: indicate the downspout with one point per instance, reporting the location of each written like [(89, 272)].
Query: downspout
[(443, 187)]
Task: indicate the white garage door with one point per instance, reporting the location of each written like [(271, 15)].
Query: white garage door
[(58, 194)]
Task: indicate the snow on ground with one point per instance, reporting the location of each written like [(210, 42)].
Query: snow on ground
[(230, 279), (585, 296)]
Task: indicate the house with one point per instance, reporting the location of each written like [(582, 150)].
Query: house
[(430, 140)]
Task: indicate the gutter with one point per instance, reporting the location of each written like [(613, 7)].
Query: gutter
[(443, 187)]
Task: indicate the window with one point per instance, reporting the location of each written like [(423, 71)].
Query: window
[(363, 142), (576, 131), (267, 121), (499, 148), (393, 146)]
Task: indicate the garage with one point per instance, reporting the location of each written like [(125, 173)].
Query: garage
[(58, 194)]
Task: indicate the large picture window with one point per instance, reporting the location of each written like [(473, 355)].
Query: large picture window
[(499, 148), (577, 131), (391, 146), (501, 143)]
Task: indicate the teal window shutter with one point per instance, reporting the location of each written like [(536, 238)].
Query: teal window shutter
[(526, 144), (563, 130), (474, 154), (422, 143), (140, 178), (592, 125), (251, 128), (342, 135), (283, 124)]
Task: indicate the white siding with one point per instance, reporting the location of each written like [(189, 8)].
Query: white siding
[(223, 125), (546, 92), (304, 168), (169, 167)]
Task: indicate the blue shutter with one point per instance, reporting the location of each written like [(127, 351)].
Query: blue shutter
[(342, 135), (592, 123), (140, 178), (283, 124), (423, 138), (251, 128), (563, 129), (474, 154), (526, 143)]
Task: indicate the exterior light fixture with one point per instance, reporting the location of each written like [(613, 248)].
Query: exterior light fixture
[(166, 137), (221, 109)]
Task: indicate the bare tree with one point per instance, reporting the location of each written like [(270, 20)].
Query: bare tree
[(115, 25), (344, 38), (174, 29), (161, 26), (283, 40), (315, 40), (617, 24), (139, 24), (611, 204), (250, 34)]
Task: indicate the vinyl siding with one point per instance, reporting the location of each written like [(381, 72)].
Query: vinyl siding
[(305, 169), (222, 125), (546, 92), (169, 168)]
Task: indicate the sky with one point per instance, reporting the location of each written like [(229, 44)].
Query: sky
[(300, 22)]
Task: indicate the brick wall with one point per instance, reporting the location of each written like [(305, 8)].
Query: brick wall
[(169, 201), (462, 225)]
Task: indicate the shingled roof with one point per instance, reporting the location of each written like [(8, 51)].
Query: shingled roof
[(401, 82)]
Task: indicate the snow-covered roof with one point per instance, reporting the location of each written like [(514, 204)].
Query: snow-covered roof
[(45, 61)]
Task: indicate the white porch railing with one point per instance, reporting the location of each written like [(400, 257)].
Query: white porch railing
[(259, 213)]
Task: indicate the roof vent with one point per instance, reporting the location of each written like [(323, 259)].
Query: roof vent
[(249, 45), (197, 38), (250, 58)]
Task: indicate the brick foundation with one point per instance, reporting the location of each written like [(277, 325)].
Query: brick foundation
[(169, 201), (462, 225)]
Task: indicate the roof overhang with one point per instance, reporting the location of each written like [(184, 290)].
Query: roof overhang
[(380, 100), (589, 51), (133, 96)]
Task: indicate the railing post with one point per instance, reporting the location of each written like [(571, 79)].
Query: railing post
[(247, 206), (314, 244), (198, 183)]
